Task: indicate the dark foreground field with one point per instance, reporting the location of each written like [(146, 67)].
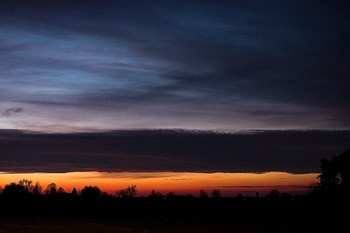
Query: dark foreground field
[(180, 214), (69, 225)]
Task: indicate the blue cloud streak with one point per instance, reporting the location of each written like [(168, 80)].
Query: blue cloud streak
[(188, 64)]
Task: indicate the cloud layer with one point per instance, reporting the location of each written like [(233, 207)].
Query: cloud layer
[(164, 64), (168, 150), (11, 111)]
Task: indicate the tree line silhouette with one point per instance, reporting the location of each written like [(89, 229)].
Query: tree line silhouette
[(25, 187), (330, 195), (335, 175), (334, 179)]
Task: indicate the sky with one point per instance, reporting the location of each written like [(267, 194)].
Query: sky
[(296, 152), (229, 184), (68, 66), (200, 87), (180, 161)]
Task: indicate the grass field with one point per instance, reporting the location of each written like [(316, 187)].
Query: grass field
[(11, 224), (178, 214)]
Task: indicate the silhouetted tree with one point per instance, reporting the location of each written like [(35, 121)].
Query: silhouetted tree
[(344, 169), (27, 185), (274, 194), (335, 173), (60, 190), (203, 194), (105, 194), (13, 189), (91, 192), (74, 192), (216, 193), (51, 189), (37, 188), (129, 192), (155, 195), (23, 186), (170, 195), (330, 177)]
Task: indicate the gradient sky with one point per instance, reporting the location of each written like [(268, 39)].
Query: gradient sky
[(243, 87), (230, 184), (220, 65)]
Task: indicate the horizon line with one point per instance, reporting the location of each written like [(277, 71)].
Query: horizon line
[(176, 130)]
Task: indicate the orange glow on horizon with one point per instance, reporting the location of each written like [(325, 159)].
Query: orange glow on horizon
[(178, 182)]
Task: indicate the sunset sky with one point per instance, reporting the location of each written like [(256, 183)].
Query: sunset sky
[(255, 86)]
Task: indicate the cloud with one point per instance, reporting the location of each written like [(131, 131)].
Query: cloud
[(170, 150), (263, 65), (11, 111)]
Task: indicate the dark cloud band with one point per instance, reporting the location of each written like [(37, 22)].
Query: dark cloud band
[(169, 150)]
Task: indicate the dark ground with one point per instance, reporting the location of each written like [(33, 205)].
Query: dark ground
[(180, 214)]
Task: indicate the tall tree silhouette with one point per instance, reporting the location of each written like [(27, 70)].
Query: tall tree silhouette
[(51, 189), (74, 192), (344, 169), (335, 173), (37, 188)]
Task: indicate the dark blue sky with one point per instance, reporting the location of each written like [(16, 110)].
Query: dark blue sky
[(221, 65)]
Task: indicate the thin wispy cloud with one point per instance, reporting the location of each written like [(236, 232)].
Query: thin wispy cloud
[(175, 64), (11, 111)]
